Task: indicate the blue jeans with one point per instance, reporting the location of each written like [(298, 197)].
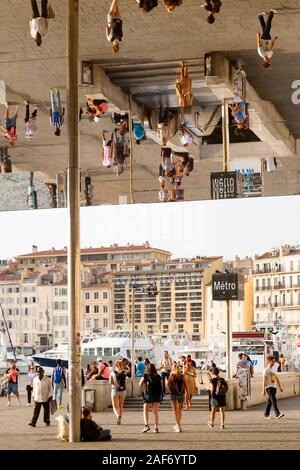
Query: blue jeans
[(58, 390), (55, 100)]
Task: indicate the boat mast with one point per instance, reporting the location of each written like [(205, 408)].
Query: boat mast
[(7, 331)]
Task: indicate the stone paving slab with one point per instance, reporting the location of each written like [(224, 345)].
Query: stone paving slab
[(245, 430)]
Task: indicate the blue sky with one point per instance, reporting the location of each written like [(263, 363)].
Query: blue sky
[(227, 228)]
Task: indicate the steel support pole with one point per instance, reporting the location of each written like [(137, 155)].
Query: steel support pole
[(225, 134), (229, 339), (73, 176), (132, 336), (131, 160)]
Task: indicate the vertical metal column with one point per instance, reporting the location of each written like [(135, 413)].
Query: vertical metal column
[(74, 220), (132, 335), (229, 339), (131, 149), (225, 134)]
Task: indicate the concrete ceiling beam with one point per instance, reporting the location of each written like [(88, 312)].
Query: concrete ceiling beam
[(265, 120)]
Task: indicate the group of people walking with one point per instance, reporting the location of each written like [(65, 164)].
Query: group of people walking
[(178, 378)]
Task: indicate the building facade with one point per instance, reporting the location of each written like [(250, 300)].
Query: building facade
[(179, 303), (276, 287)]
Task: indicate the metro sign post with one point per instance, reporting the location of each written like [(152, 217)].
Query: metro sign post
[(228, 287)]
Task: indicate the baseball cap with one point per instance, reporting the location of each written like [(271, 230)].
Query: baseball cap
[(99, 359)]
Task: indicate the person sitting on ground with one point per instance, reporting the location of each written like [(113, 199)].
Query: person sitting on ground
[(172, 4), (39, 23), (114, 32), (147, 5), (90, 431), (92, 371), (265, 44)]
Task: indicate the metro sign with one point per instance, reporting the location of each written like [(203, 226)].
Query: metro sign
[(227, 286), (226, 185)]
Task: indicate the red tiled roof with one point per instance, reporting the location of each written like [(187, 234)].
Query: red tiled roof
[(10, 277), (93, 250), (267, 255)]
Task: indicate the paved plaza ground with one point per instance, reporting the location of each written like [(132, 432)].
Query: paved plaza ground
[(245, 430)]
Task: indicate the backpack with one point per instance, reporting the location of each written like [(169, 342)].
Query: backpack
[(121, 381), (154, 386), (58, 375), (221, 388)]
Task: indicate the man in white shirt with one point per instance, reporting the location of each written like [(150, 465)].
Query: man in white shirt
[(42, 395), (270, 382), (39, 23), (265, 44)]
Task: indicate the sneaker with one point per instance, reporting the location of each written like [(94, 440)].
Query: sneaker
[(274, 11), (262, 13), (8, 404), (280, 416), (210, 425), (222, 426), (119, 420), (31, 424), (146, 428), (176, 428), (267, 417), (28, 404), (155, 430)]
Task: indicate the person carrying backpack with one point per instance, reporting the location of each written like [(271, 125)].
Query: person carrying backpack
[(152, 394), (218, 397), (59, 382), (177, 386), (117, 380)]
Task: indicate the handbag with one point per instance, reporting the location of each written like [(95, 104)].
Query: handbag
[(53, 406)]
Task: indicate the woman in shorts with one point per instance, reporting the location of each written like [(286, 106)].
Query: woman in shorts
[(177, 387)]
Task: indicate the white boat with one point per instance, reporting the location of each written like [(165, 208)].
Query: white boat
[(115, 344)]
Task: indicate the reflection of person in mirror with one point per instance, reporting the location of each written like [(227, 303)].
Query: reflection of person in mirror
[(88, 194), (9, 130), (240, 114), (57, 112), (53, 193), (39, 23), (107, 145), (31, 199), (265, 44), (30, 121), (114, 32)]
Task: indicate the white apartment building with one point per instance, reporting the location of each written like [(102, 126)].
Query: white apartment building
[(276, 287), (215, 315)]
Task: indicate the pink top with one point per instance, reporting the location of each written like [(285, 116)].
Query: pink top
[(105, 369), (107, 154)]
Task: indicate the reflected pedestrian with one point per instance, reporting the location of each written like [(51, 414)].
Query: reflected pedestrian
[(114, 32), (265, 44)]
